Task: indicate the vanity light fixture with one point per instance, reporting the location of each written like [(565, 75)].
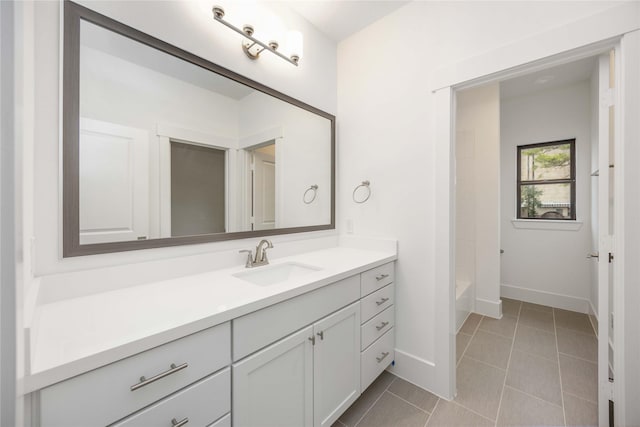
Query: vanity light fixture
[(252, 47)]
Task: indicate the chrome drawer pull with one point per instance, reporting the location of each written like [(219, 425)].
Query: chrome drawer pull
[(144, 381), (321, 335), (382, 276), (382, 301), (381, 327), (381, 358), (176, 423)]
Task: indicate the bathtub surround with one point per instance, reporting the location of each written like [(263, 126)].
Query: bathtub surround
[(478, 195)]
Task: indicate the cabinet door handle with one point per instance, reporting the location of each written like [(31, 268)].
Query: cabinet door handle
[(321, 335), (382, 301), (146, 381), (382, 325), (313, 340), (176, 423), (381, 358), (382, 276)]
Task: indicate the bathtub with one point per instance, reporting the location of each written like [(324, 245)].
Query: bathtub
[(463, 302)]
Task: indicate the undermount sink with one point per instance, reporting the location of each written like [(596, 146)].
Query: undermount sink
[(273, 274)]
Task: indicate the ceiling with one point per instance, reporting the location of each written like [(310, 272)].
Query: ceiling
[(550, 78), (338, 19)]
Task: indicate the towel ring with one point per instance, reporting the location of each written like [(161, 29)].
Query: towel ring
[(365, 184), (310, 200)]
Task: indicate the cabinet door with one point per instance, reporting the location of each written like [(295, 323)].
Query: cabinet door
[(274, 387), (336, 364)]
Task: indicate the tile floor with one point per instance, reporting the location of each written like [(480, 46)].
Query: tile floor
[(534, 367)]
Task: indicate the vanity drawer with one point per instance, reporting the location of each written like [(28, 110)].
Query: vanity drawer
[(376, 358), (258, 329), (200, 404), (104, 395), (376, 278), (376, 302), (222, 422), (376, 327)]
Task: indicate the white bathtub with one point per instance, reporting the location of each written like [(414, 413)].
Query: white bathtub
[(463, 302)]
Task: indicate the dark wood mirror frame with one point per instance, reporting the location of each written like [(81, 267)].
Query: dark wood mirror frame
[(73, 14)]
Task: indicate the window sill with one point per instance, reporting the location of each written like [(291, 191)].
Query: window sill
[(547, 224)]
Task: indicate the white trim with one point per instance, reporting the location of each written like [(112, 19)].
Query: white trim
[(489, 308), (626, 244), (587, 31), (193, 135), (261, 137), (535, 296), (593, 312), (546, 224), (445, 278), (421, 372)]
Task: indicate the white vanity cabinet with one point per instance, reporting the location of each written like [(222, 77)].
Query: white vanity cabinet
[(307, 378), (378, 320), (192, 369), (310, 377)]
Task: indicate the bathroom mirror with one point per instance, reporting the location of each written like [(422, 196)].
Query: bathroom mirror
[(164, 148)]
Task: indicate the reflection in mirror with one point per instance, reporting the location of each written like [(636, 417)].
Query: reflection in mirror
[(170, 149)]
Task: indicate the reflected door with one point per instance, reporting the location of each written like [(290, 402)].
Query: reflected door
[(114, 182), (264, 188)]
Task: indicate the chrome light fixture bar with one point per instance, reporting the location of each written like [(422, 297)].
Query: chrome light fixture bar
[(252, 47)]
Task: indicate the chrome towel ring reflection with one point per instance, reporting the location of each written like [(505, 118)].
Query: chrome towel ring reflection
[(307, 197), (365, 185)]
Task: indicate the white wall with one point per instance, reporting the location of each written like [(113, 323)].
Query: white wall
[(478, 194), (386, 132), (547, 261), (192, 28)]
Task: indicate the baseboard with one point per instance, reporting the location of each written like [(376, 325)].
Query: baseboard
[(550, 299), (417, 371), (489, 308), (593, 317)]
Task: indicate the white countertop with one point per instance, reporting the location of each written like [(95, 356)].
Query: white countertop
[(73, 336)]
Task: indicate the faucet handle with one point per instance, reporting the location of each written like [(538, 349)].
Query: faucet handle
[(249, 262)]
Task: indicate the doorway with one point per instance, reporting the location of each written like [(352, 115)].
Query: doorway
[(263, 194), (553, 217)]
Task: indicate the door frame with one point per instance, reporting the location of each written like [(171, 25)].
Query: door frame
[(626, 41)]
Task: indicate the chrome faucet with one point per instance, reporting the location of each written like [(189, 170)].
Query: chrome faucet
[(260, 257)]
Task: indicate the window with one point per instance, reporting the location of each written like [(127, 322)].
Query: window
[(547, 181)]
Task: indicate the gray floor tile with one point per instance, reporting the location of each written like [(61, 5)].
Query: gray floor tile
[(490, 348), (519, 409), (413, 394), (453, 415), (461, 344), (352, 415), (510, 307), (505, 326), (579, 377), (536, 341), (577, 344), (471, 324), (573, 320), (479, 387), (537, 319), (532, 306), (390, 410), (535, 375), (579, 412)]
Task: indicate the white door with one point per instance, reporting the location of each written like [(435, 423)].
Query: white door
[(606, 147), (264, 189), (336, 364), (114, 182), (274, 387)]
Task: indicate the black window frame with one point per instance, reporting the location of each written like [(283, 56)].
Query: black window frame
[(571, 180)]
